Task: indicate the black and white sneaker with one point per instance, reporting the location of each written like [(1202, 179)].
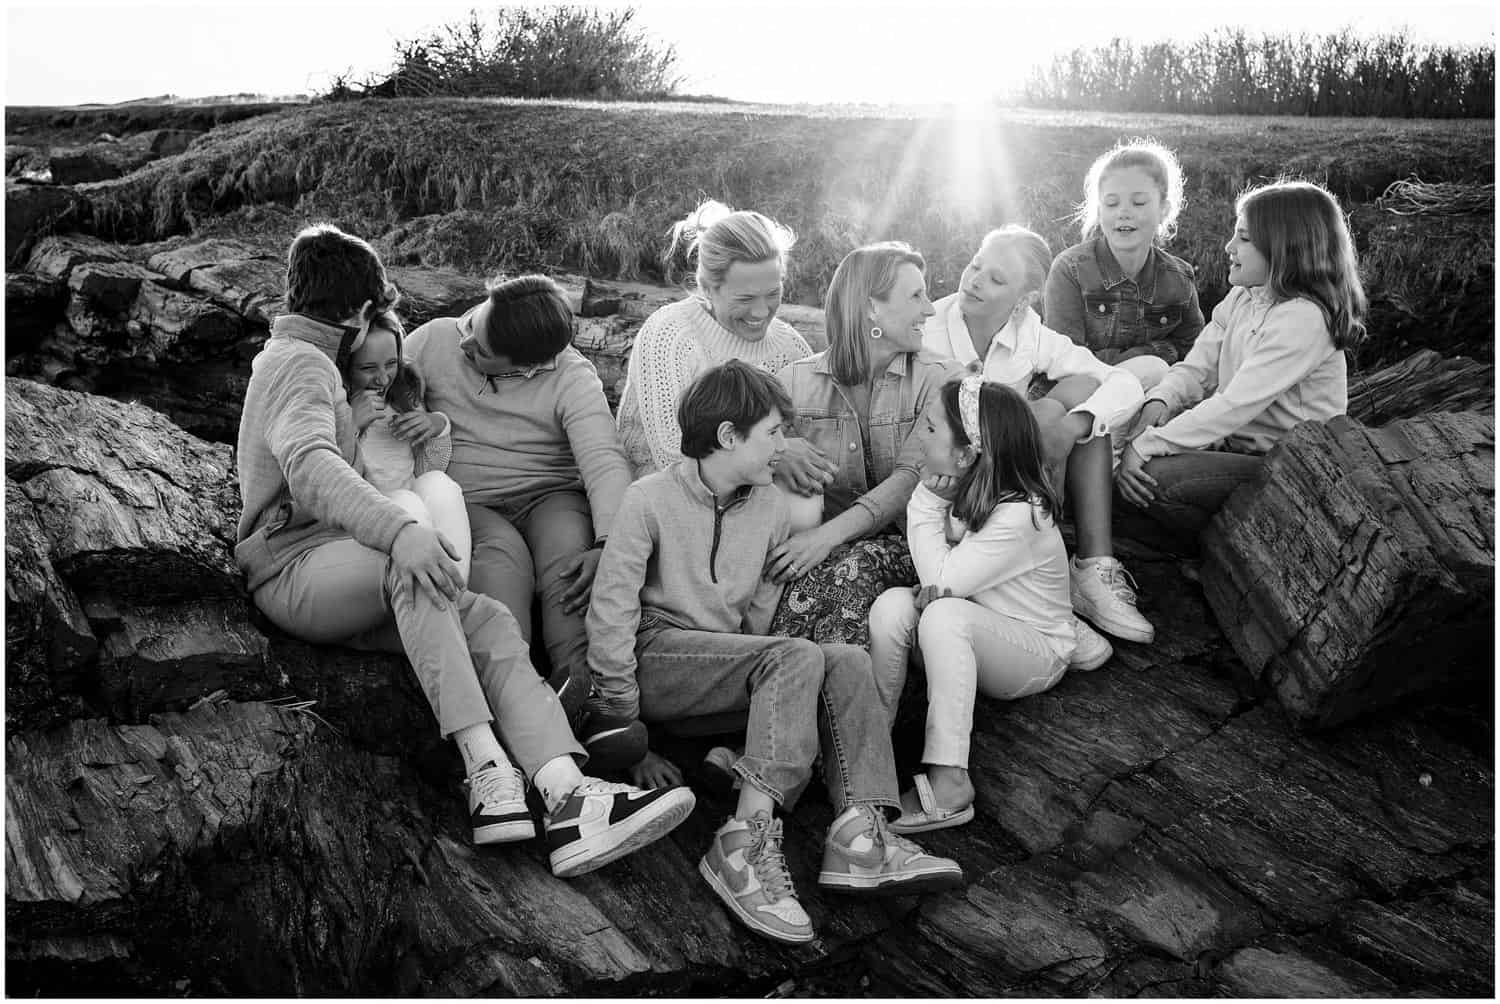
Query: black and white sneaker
[(497, 806), (601, 821), (613, 743)]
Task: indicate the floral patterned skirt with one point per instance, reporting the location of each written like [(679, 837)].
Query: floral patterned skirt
[(831, 603)]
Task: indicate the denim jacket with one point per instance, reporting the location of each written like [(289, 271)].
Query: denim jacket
[(1091, 301), (827, 420)]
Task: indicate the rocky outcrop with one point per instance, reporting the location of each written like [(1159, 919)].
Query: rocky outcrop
[(115, 158), (197, 804), (1359, 568)]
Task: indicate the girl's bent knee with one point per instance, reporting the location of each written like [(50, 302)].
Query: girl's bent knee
[(945, 617)]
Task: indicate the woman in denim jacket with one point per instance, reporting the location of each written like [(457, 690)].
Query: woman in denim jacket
[(857, 403), (1118, 294)]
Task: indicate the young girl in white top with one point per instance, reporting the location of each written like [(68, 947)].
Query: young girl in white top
[(992, 610), (404, 448), (1272, 356), (992, 323)]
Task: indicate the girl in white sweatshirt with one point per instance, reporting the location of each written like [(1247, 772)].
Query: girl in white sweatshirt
[(992, 610)]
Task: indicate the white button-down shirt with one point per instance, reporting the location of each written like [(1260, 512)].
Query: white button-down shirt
[(1026, 347)]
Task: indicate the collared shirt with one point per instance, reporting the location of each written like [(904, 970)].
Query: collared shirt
[(877, 464), (1026, 348), (1259, 368), (1117, 317)]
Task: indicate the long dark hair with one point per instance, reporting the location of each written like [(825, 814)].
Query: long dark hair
[(1009, 465)]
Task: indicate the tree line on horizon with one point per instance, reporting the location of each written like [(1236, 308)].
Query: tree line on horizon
[(1229, 72), (582, 52)]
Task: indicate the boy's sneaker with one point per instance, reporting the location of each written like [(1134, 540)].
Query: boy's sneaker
[(600, 821), (1092, 650), (861, 854), (1104, 593), (571, 693), (744, 865), (613, 743), (497, 806)]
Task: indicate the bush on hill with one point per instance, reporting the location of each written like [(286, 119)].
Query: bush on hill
[(530, 52), (1231, 72)]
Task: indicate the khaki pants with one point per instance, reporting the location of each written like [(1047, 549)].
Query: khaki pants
[(469, 657)]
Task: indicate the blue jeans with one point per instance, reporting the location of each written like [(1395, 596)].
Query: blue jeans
[(800, 695), (1192, 486)]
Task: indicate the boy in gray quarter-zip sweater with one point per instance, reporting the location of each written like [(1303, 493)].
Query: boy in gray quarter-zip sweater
[(676, 630)]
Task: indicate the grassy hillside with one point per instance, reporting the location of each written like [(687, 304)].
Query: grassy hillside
[(503, 185)]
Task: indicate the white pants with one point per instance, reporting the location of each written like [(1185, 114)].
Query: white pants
[(964, 646), (436, 501)]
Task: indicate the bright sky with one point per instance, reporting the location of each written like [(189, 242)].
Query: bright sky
[(66, 52)]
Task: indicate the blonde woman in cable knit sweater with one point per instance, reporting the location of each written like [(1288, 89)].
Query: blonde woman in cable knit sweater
[(741, 265)]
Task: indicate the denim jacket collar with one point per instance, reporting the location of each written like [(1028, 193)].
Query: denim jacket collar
[(1109, 269), (897, 367)]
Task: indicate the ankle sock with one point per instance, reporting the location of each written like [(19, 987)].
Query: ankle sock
[(555, 781), (479, 748)]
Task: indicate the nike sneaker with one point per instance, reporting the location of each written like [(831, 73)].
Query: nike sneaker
[(601, 821), (613, 743), (745, 867), (863, 855), (497, 806)]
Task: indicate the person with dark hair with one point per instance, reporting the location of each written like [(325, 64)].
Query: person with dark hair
[(330, 560), (991, 609), (537, 456), (677, 629)]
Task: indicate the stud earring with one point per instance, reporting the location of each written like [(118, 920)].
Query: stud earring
[(875, 332)]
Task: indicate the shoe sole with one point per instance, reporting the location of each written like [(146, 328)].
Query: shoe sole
[(748, 919), (959, 818), (1114, 630), (935, 880), (507, 832), (1093, 664), (649, 824)]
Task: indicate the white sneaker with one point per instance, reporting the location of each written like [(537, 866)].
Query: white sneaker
[(601, 821), (497, 806), (1104, 593), (1092, 649)]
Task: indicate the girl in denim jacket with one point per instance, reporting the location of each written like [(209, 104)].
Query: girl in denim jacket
[(1118, 293)]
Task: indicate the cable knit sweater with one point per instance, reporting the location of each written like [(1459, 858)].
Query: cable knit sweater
[(676, 343)]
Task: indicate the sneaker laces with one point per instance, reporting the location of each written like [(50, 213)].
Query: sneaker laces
[(594, 786), (766, 857), (1119, 581), (492, 785)]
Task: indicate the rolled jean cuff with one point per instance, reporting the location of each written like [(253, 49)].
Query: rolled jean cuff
[(876, 802), (782, 780)]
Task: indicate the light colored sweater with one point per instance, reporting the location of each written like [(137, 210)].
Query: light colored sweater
[(1258, 369), (520, 434), (676, 343), (1009, 566), (295, 453), (688, 558), (1026, 347)]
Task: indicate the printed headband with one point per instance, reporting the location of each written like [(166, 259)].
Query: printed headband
[(968, 407)]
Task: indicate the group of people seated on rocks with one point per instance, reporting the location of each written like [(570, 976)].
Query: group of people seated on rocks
[(766, 534)]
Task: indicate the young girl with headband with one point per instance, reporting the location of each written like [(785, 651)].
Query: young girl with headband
[(992, 609)]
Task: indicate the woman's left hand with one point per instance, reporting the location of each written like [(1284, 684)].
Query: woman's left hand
[(1132, 480), (799, 554), (581, 568), (416, 427)]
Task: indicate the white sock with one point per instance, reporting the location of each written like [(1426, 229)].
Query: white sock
[(479, 748), (1087, 562), (556, 779)]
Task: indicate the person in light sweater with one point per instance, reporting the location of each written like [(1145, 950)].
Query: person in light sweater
[(1272, 356), (535, 451), (404, 448), (991, 323), (677, 629), (740, 270), (991, 610), (330, 560)]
